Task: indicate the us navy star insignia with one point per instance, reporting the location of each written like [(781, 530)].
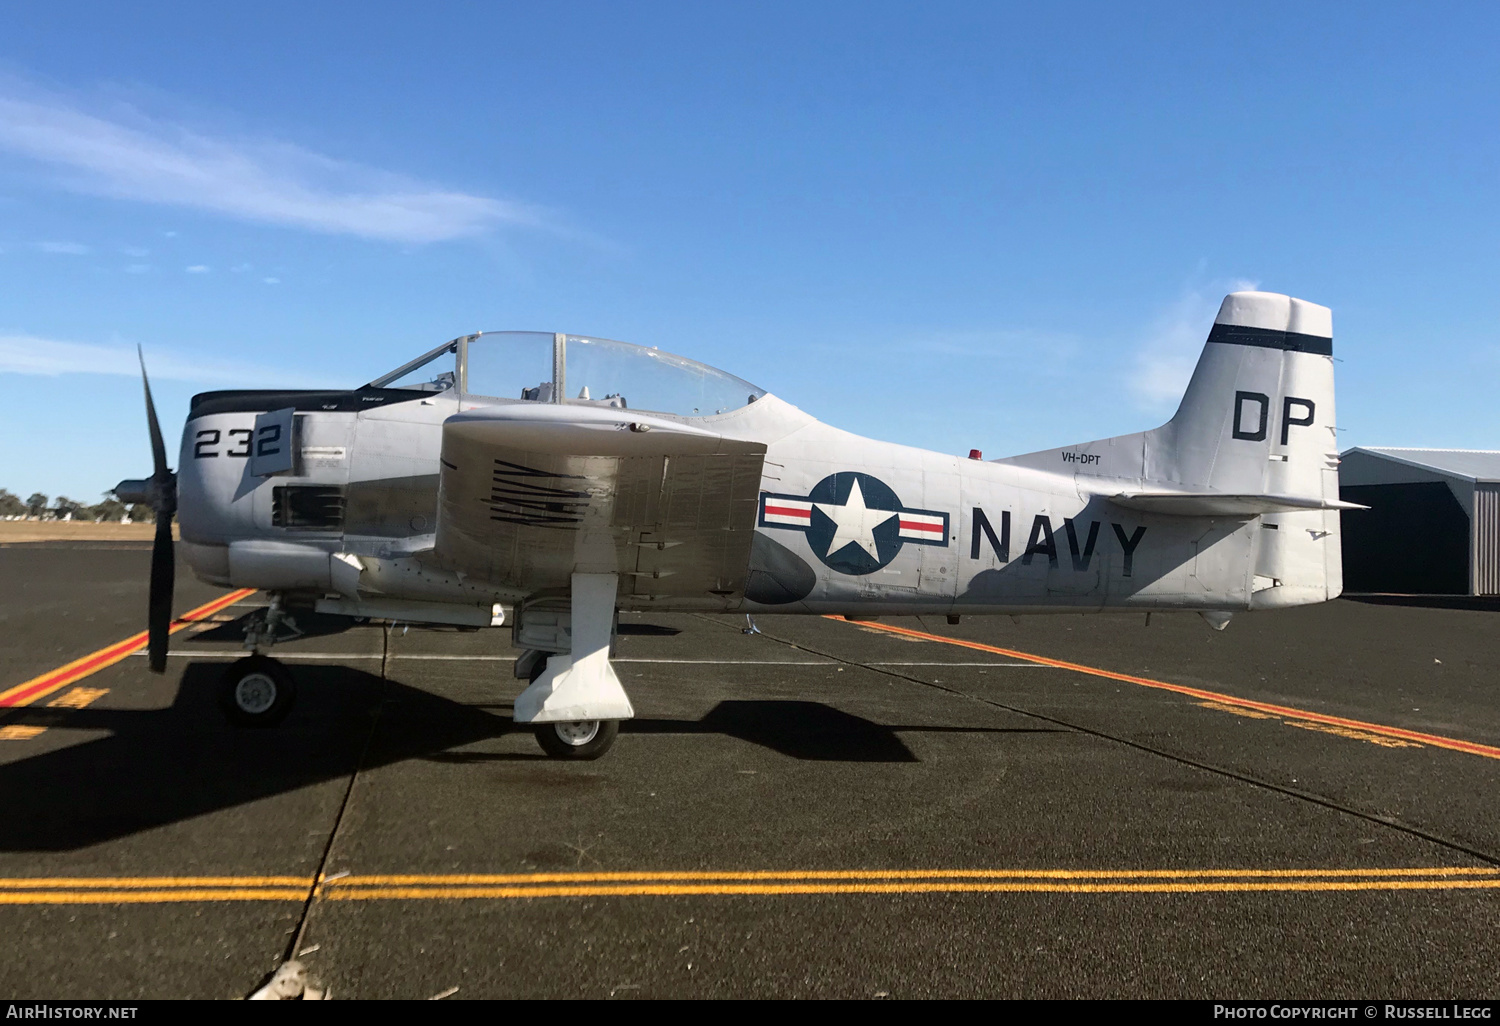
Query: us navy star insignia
[(854, 522)]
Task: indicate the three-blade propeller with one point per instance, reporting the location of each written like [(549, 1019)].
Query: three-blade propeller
[(160, 493)]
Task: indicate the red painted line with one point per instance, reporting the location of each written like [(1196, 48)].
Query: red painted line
[(1436, 740), (916, 525), (787, 511), (39, 687)]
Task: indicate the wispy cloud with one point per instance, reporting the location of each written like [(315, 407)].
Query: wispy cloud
[(1174, 341), (28, 354), (197, 269), (134, 157), (67, 248)]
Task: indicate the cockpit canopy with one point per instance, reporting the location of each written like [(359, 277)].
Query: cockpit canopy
[(535, 366)]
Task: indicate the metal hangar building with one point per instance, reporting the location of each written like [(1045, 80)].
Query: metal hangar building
[(1433, 526)]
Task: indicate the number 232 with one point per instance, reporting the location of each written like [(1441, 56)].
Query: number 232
[(205, 443)]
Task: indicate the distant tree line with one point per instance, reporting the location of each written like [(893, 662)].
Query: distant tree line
[(40, 507)]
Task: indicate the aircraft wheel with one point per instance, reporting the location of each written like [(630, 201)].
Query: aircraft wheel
[(577, 739), (257, 692)]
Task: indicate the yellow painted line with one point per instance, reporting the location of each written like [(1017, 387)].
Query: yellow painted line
[(20, 732), (180, 895), (141, 897), (673, 876), (75, 890), (908, 887), (153, 882), (78, 698), (53, 680), (891, 874), (1436, 740)]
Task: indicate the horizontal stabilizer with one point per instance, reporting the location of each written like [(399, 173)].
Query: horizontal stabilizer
[(1222, 504)]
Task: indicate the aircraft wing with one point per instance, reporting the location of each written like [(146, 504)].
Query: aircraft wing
[(531, 494), (1209, 504)]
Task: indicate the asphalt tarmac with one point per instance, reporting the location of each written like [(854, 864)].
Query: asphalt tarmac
[(1299, 806)]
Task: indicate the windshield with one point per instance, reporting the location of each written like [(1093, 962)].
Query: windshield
[(578, 369), (430, 372)]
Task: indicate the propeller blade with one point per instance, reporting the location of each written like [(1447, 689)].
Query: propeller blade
[(159, 610), (163, 492), (158, 447)]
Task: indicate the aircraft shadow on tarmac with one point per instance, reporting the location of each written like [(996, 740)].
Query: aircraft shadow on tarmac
[(1483, 603), (808, 731), (165, 765), (647, 630)]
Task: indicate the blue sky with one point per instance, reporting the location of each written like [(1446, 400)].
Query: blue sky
[(952, 225)]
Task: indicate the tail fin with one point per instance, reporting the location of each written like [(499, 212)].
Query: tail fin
[(1254, 437), (1256, 429), (1257, 418)]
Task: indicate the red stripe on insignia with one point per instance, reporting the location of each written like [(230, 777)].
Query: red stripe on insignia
[(787, 511), (917, 525)]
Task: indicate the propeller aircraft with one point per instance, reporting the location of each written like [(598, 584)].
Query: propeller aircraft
[(565, 478)]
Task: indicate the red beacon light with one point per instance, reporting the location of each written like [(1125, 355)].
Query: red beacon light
[(975, 454)]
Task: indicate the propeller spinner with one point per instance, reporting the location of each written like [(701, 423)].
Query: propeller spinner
[(159, 491)]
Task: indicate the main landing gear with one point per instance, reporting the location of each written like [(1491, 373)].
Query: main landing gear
[(575, 701), (580, 740)]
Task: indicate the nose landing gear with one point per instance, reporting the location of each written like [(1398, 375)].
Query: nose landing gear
[(257, 691)]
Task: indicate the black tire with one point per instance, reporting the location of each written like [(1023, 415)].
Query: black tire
[(257, 692), (579, 740)]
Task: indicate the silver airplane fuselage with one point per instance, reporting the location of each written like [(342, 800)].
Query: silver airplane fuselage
[(434, 504)]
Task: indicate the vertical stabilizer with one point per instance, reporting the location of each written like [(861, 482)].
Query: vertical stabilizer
[(1257, 417), (1253, 443)]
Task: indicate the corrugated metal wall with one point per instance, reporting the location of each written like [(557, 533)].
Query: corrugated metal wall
[(1484, 553)]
